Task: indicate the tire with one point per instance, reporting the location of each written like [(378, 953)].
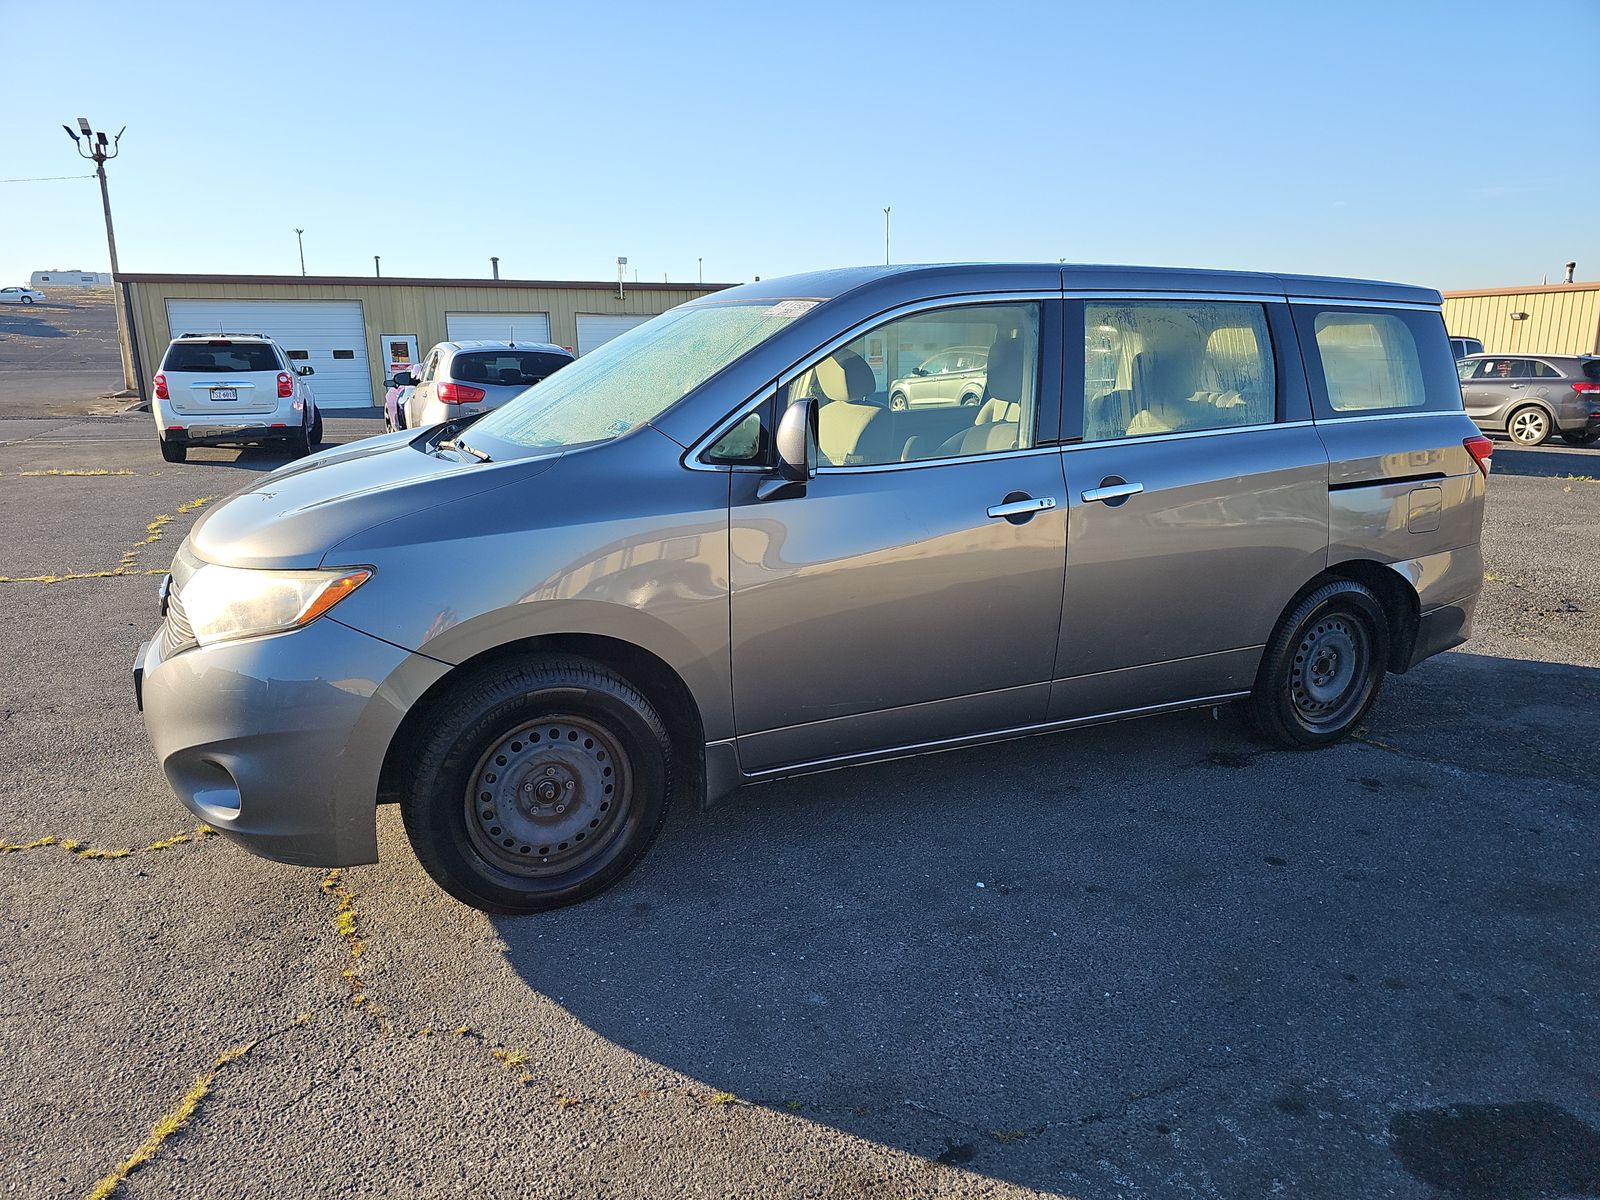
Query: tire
[(971, 400), (1323, 667), (1587, 438), (1529, 426), (316, 430), (173, 452), (898, 401), (566, 726), (27, 299), (298, 443)]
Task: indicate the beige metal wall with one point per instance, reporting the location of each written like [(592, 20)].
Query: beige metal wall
[(402, 306), (1562, 319)]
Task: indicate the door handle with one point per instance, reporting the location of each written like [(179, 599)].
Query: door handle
[(1516, 385), (1017, 508), (1113, 494)]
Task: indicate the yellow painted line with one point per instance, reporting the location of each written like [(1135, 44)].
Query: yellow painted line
[(76, 472), (154, 532)]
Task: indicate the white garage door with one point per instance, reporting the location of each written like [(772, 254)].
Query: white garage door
[(497, 327), (595, 329), (328, 335)]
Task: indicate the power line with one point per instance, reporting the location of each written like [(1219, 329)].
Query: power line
[(46, 178)]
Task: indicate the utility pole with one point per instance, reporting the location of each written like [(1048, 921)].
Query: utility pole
[(886, 237), (94, 147), (302, 242)]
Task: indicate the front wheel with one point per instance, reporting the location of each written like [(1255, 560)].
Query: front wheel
[(1322, 668), (1529, 426), (1587, 437), (538, 782)]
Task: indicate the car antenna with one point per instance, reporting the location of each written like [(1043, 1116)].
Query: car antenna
[(513, 342)]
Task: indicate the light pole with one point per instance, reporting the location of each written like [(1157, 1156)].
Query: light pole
[(886, 237), (302, 243), (99, 152)]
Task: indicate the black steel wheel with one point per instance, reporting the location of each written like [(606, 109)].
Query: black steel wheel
[(540, 781), (1528, 426), (1323, 666)]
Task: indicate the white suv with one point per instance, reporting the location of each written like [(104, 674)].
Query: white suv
[(233, 389)]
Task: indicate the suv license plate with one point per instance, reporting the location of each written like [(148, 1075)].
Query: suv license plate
[(224, 393)]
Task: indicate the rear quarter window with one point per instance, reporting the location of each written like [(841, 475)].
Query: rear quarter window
[(220, 357), (1364, 362)]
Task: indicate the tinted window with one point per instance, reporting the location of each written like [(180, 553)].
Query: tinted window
[(1158, 366), (1503, 368), (857, 428), (1543, 370), (508, 368), (220, 357), (1369, 362), (1591, 368)]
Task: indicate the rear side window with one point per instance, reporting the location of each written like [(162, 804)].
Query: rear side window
[(220, 357), (1591, 368), (1369, 362), (513, 368), (1170, 366)]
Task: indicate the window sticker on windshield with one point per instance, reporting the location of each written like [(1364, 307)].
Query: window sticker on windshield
[(788, 310)]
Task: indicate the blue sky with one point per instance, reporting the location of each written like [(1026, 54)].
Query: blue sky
[(1406, 139)]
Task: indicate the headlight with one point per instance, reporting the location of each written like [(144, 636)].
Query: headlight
[(229, 602)]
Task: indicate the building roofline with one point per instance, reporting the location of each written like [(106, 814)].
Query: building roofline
[(419, 281), (1531, 290)]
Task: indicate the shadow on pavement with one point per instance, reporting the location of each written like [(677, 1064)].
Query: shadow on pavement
[(1546, 461), (1129, 945)]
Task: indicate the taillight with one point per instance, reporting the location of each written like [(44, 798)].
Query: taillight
[(1587, 389), (459, 393), (161, 386), (285, 385), (1482, 451)]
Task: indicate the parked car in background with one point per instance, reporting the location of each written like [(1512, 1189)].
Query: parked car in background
[(395, 396), (705, 555), (20, 295), (953, 376), (463, 379), (234, 389), (1463, 346), (1530, 397)]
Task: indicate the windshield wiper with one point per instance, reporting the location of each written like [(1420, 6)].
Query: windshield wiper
[(458, 444)]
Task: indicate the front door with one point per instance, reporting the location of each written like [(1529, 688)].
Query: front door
[(912, 595), (1195, 513), (1493, 389)]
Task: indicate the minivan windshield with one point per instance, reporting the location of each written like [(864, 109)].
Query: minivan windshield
[(632, 378)]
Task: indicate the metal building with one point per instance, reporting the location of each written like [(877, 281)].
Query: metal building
[(1558, 318), (358, 331)]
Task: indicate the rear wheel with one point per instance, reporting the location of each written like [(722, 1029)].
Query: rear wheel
[(540, 782), (298, 444), (1587, 437), (1528, 426), (316, 429), (897, 401), (174, 452), (1322, 668), (27, 299)]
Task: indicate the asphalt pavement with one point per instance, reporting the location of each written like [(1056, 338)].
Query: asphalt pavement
[(1147, 960)]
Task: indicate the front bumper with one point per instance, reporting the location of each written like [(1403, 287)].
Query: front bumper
[(278, 742)]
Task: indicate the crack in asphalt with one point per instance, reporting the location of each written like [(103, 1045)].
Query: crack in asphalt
[(154, 532), (78, 849), (175, 1119)]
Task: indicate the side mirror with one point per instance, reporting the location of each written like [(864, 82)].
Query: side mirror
[(306, 371), (796, 447), (402, 379)]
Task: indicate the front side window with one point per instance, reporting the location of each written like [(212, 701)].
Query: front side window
[(1504, 368), (1175, 366), (994, 410), (634, 377)]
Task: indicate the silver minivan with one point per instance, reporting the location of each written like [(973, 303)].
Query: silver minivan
[(712, 553)]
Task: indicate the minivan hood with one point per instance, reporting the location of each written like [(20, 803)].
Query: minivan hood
[(291, 517)]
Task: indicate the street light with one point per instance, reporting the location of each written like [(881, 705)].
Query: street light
[(302, 242), (98, 152)]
